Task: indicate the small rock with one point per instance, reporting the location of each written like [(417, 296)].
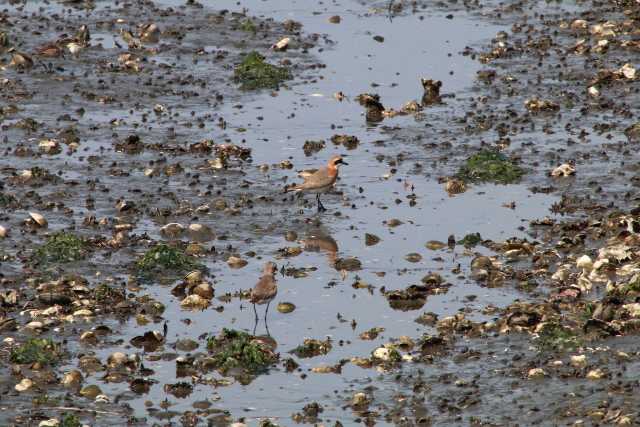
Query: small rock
[(90, 391), (194, 302), (371, 239), (579, 361), (286, 307), (24, 385), (236, 262), (335, 19), (595, 374), (563, 170), (360, 399), (116, 359), (72, 379), (536, 373)]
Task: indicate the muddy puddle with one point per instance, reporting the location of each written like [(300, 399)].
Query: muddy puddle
[(446, 284)]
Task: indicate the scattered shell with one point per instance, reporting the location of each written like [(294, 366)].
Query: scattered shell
[(371, 239), (51, 422), (413, 257), (24, 385), (39, 219), (194, 302), (281, 45), (172, 230), (579, 361), (90, 391), (204, 290), (435, 245), (595, 374), (335, 19), (563, 170), (193, 277), (102, 398), (359, 399), (628, 71), (455, 186), (72, 379), (117, 359), (536, 373), (236, 262), (49, 146), (585, 263), (3, 232)]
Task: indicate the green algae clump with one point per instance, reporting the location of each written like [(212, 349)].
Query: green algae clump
[(36, 350), (255, 73), (165, 258), (237, 349), (61, 247), (555, 337), (490, 166), (70, 420)]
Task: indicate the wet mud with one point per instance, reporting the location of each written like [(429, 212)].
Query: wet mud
[(476, 264)]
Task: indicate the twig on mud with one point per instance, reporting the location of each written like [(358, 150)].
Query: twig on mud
[(95, 411)]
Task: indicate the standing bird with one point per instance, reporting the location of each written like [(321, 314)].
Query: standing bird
[(265, 290), (320, 181)]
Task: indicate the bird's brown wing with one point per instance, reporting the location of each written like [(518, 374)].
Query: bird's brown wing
[(264, 289), (318, 179)]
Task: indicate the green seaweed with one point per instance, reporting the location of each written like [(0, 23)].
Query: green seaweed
[(249, 26), (40, 350), (490, 166), (255, 73), (237, 349), (70, 420), (471, 240), (6, 200), (555, 337), (165, 258), (61, 247)]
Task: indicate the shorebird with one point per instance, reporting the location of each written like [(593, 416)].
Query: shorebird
[(320, 181), (265, 290)]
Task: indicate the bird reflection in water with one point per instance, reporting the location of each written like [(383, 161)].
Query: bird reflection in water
[(319, 240)]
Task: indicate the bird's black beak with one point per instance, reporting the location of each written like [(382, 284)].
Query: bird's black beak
[(343, 162)]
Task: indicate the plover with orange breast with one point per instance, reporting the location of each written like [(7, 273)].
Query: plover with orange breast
[(321, 181)]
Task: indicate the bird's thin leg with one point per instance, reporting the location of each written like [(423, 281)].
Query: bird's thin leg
[(266, 326), (255, 326), (255, 311), (321, 207), (266, 311)]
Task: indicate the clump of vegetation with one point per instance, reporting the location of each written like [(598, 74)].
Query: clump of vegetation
[(249, 26), (36, 350), (105, 294), (471, 240), (555, 337), (490, 166), (255, 73), (70, 420), (61, 247), (237, 349), (6, 200), (165, 258), (311, 348)]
